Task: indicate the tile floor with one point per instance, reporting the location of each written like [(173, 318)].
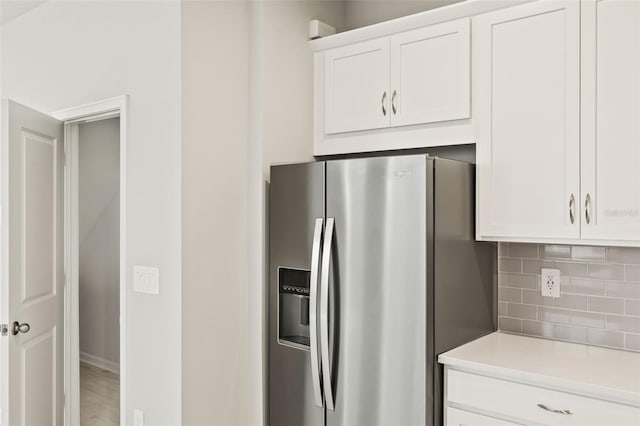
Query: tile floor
[(99, 397)]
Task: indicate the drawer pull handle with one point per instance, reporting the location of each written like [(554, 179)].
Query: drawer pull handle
[(544, 407)]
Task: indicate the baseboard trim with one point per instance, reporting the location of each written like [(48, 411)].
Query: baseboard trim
[(98, 362)]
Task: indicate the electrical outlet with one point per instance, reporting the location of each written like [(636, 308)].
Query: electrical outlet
[(550, 282), (138, 417)]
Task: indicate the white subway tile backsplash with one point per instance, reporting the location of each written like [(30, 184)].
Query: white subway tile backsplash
[(517, 310), (592, 254), (609, 305), (626, 290), (513, 325), (623, 323), (554, 315), (538, 328), (606, 271), (632, 307), (571, 334), (525, 251), (582, 286), (605, 338), (533, 266), (627, 255), (599, 301), (522, 281), (506, 264), (573, 269), (555, 252), (509, 294), (632, 272), (502, 309), (632, 341)]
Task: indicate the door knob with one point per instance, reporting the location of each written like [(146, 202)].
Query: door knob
[(20, 328)]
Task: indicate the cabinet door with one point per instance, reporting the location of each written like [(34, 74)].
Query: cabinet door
[(610, 205), (526, 85), (456, 417), (430, 74), (357, 87)]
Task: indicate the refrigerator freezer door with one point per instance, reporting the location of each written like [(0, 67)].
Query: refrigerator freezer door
[(296, 202), (378, 291)]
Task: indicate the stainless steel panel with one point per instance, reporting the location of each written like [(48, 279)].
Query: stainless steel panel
[(464, 269), (378, 291), (296, 200)]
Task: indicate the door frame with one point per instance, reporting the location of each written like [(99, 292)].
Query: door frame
[(72, 118)]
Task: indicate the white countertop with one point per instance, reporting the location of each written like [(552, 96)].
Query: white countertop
[(571, 367)]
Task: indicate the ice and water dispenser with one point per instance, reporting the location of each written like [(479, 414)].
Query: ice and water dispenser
[(293, 307)]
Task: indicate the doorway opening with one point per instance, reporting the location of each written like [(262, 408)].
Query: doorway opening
[(95, 262), (99, 271)]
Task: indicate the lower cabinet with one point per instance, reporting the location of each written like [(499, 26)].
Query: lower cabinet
[(475, 399)]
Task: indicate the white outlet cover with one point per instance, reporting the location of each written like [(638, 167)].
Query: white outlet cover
[(146, 280), (550, 282), (138, 417)]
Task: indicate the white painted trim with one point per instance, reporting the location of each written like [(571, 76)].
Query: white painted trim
[(99, 362), (93, 111), (4, 259), (73, 117), (569, 241), (412, 22)]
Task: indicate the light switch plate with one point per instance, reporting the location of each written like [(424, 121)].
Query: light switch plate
[(138, 417), (146, 280), (550, 282)]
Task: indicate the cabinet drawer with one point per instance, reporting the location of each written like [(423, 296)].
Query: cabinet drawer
[(457, 417), (521, 401)]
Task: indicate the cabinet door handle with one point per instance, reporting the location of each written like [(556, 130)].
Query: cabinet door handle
[(572, 203), (384, 101), (551, 410), (393, 102), (587, 209)]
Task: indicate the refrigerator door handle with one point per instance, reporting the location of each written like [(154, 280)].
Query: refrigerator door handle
[(313, 311), (324, 315)]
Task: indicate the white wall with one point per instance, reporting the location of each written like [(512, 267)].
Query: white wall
[(64, 54), (360, 13), (247, 102), (215, 342), (99, 210)]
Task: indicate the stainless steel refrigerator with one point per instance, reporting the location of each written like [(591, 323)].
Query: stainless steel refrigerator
[(373, 272)]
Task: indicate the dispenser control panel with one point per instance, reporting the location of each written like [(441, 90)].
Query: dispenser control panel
[(293, 307), (294, 281)]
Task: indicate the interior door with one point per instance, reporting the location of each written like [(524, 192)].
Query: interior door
[(610, 204), (32, 286)]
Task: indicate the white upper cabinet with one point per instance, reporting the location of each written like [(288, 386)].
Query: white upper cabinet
[(610, 202), (526, 65), (357, 87), (406, 90), (430, 74)]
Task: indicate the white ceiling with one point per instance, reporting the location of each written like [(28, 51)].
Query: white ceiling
[(11, 9)]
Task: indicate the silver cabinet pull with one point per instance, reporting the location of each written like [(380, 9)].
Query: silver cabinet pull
[(384, 101), (551, 410), (324, 315), (313, 311), (587, 208), (23, 328), (572, 203), (393, 102)]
